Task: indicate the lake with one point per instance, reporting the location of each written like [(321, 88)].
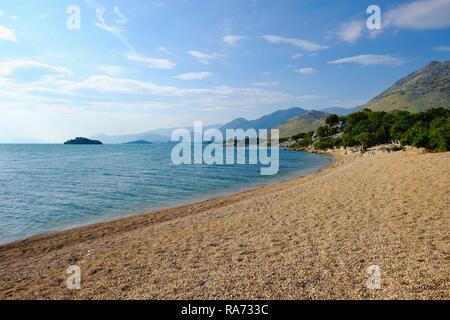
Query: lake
[(45, 188)]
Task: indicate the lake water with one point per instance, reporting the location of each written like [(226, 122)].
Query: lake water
[(46, 188)]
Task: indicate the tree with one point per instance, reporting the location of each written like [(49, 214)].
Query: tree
[(332, 120), (429, 129), (325, 131), (417, 136), (402, 123), (325, 143), (440, 135), (366, 139)]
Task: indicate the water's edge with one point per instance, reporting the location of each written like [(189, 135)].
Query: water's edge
[(174, 206)]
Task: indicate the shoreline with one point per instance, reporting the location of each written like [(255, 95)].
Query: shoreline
[(296, 174), (182, 206), (306, 238)]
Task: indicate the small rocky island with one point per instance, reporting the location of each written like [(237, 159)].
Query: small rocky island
[(139, 142), (80, 140)]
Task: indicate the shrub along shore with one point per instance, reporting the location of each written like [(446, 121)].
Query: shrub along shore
[(429, 129)]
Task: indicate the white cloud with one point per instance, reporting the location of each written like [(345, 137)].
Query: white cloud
[(164, 49), (303, 44), (7, 34), (420, 15), (308, 97), (112, 70), (442, 48), (1, 13), (8, 67), (194, 76), (116, 27), (264, 84), (296, 56), (306, 71), (14, 18), (102, 83), (206, 58), (232, 39), (130, 93), (371, 59), (106, 104), (351, 31), (163, 64), (197, 96)]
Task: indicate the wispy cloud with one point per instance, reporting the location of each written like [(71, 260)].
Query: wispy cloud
[(351, 31), (107, 84), (308, 97), (7, 34), (296, 56), (153, 63), (420, 15), (116, 28), (303, 44), (371, 59), (164, 49), (308, 70), (442, 48), (206, 58), (264, 84), (194, 76), (232, 39), (7, 68), (112, 70)]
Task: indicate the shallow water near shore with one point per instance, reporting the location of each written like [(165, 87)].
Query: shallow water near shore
[(45, 188)]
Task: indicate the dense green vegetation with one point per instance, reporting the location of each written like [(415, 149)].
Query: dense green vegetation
[(429, 129)]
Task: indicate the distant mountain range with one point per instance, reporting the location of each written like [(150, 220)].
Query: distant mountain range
[(424, 89), (139, 142), (270, 121), (158, 135), (290, 121), (119, 139)]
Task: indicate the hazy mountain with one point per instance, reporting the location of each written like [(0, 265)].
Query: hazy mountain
[(304, 122), (290, 121), (424, 89), (139, 142), (116, 139), (158, 135), (270, 121)]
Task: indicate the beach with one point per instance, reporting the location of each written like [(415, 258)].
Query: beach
[(308, 238)]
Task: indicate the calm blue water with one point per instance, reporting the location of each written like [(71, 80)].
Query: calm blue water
[(46, 188)]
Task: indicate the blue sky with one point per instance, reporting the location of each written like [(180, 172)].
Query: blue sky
[(138, 65)]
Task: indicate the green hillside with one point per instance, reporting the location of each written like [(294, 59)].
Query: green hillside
[(305, 122), (422, 90)]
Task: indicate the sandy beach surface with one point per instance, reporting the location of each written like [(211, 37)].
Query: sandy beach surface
[(308, 238)]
